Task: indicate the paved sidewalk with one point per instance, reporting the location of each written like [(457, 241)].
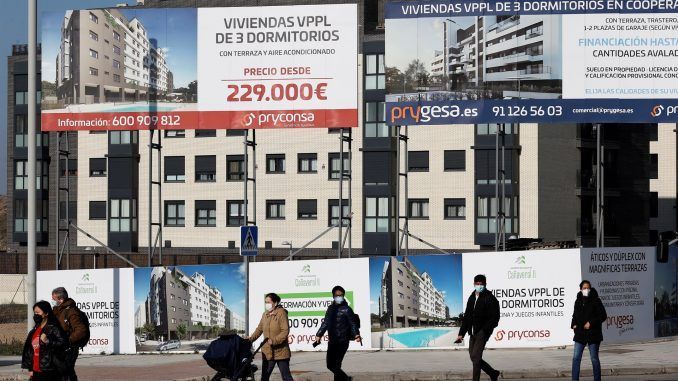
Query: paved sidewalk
[(659, 357)]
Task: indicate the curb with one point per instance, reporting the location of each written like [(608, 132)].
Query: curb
[(441, 376)]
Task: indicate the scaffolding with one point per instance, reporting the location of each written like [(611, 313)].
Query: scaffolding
[(154, 147), (65, 247)]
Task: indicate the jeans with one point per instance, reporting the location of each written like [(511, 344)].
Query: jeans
[(476, 347), (283, 365), (595, 361), (335, 356)]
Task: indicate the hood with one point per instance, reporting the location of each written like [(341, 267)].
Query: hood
[(592, 295)]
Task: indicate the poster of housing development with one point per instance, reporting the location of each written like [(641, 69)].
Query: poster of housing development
[(188, 68), (184, 308), (492, 61), (415, 301), (666, 295)]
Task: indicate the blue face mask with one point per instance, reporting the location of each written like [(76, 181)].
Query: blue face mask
[(479, 288), (338, 299)]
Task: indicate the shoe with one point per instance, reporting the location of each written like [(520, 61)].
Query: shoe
[(495, 376)]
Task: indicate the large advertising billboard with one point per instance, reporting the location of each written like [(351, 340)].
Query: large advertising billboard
[(212, 68), (536, 290), (305, 288), (494, 61), (624, 279)]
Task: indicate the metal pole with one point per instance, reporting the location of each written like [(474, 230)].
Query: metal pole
[(108, 249), (397, 193), (68, 200), (341, 189), (496, 189), (502, 237), (160, 208), (350, 193), (150, 198), (597, 127), (57, 199), (407, 193), (602, 195), (32, 154), (245, 258)]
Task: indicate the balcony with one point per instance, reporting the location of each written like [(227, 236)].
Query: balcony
[(529, 73), (514, 58), (505, 24), (512, 43)]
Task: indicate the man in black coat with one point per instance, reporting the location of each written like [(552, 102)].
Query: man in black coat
[(342, 326), (480, 319), (587, 323)]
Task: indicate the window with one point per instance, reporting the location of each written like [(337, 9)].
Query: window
[(123, 215), (333, 215), (654, 166), (205, 133), (275, 209), (124, 137), (485, 164), (175, 133), (205, 168), (308, 163), (20, 215), (307, 209), (375, 120), (116, 64), (97, 167), (175, 170), (116, 78), (491, 129), (335, 163), (417, 161), (375, 72), (236, 132), (97, 210), (21, 97), (93, 71), (418, 208), (94, 54), (455, 160), (93, 18), (235, 213), (175, 213), (20, 131), (455, 208), (116, 49), (93, 36), (116, 36), (377, 215), (72, 167), (235, 167), (21, 174), (206, 213), (654, 204), (486, 212), (275, 163)]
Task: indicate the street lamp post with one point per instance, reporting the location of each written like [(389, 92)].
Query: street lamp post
[(288, 243)]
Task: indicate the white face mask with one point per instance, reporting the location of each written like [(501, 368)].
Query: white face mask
[(54, 303), (269, 306), (338, 299), (586, 291)]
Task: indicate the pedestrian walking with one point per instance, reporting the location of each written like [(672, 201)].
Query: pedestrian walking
[(342, 325), (275, 326), (480, 319), (587, 323), (43, 349), (76, 325)]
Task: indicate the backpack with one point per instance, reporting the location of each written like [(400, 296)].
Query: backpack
[(85, 321)]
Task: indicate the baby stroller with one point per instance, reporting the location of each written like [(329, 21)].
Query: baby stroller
[(231, 356)]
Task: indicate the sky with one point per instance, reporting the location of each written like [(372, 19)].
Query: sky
[(13, 19), (227, 278), (445, 270)]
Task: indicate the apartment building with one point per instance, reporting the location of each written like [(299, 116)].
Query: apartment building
[(140, 316), (217, 309), (169, 301), (105, 57), (548, 191), (512, 56), (237, 322), (408, 296)]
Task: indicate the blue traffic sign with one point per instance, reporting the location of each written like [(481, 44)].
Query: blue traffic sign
[(249, 241)]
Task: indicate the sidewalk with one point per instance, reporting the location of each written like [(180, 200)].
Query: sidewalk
[(658, 357)]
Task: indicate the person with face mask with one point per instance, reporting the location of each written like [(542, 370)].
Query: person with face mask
[(341, 325), (587, 323), (43, 349), (71, 320), (480, 319), (275, 327)]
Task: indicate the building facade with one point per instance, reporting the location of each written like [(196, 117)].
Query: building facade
[(547, 190)]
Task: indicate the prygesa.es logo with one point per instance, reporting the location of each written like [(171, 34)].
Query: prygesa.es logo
[(657, 110), (248, 119)]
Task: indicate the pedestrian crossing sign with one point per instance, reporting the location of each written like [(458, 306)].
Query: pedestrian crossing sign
[(249, 240)]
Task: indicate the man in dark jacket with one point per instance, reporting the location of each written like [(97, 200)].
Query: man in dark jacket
[(587, 323), (480, 319), (341, 325), (68, 316)]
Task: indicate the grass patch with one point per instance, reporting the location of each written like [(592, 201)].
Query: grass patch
[(11, 347), (12, 313)]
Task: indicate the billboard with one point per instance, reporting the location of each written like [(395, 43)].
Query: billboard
[(305, 288), (624, 279), (536, 290), (491, 61), (212, 68), (105, 296), (666, 296)]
